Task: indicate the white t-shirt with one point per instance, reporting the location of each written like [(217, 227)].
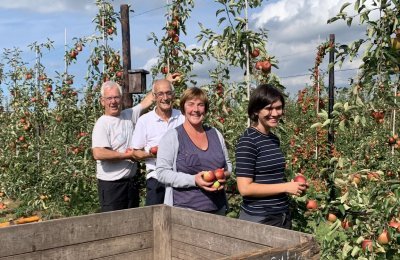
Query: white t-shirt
[(148, 132), (115, 132)]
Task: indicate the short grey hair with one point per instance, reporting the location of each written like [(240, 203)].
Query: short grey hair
[(110, 84), (156, 81)]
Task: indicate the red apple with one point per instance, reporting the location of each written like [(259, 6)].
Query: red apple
[(154, 150), (300, 178), (346, 224), (255, 53), (208, 176), (331, 217), (367, 244), (266, 66), (384, 238), (220, 174), (394, 224), (312, 204)]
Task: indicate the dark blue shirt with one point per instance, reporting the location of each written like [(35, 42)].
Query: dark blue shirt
[(259, 157)]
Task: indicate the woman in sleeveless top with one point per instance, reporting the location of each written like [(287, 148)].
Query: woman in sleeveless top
[(187, 153)]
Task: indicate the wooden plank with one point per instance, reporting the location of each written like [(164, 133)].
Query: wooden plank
[(162, 232), (212, 241), (235, 228), (145, 254), (94, 249), (63, 232), (182, 250), (302, 251)]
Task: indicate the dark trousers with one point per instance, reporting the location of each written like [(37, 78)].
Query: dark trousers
[(155, 192), (119, 194), (282, 220)]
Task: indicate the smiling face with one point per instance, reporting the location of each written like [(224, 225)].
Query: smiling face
[(269, 116), (164, 95), (194, 111), (111, 101)]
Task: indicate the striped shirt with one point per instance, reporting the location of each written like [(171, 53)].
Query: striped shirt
[(258, 156)]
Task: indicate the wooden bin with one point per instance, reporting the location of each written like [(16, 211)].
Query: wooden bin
[(157, 232)]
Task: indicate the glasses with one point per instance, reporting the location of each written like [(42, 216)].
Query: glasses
[(161, 94), (109, 99)]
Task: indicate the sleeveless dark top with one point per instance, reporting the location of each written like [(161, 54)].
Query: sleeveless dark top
[(192, 160)]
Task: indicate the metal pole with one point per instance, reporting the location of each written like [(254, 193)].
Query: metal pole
[(126, 55), (331, 87)]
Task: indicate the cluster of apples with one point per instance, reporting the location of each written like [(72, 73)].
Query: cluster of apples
[(214, 176)]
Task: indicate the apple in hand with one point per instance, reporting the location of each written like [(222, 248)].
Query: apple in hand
[(216, 184), (220, 174), (154, 150), (208, 176), (300, 178)]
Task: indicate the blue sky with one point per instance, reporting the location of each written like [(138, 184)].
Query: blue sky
[(295, 30)]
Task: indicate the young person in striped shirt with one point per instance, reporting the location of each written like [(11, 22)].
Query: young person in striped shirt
[(260, 163)]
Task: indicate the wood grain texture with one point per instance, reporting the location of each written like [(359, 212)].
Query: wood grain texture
[(69, 231)]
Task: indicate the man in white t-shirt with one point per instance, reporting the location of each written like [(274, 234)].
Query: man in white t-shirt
[(149, 130), (111, 137)]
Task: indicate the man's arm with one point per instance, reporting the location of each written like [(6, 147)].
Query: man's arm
[(102, 153)]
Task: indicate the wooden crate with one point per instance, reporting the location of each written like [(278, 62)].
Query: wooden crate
[(157, 232)]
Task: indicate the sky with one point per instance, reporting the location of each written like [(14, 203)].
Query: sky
[(295, 29)]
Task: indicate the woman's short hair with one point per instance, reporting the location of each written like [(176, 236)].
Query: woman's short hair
[(110, 84), (262, 96), (193, 93)]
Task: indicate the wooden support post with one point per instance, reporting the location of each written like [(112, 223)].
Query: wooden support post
[(126, 55), (162, 247)]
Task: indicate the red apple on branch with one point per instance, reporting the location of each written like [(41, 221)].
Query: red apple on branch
[(331, 217), (366, 244), (384, 238), (312, 205)]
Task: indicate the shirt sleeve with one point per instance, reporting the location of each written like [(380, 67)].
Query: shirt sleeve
[(136, 112), (100, 136), (166, 157), (225, 151), (139, 138), (246, 155)]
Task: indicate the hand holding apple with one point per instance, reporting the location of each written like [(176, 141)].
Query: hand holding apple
[(153, 150), (206, 180), (295, 188)]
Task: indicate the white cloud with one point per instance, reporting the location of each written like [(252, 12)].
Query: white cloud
[(296, 29)]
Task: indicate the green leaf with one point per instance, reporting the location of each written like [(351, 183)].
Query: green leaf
[(357, 119), (327, 122), (342, 125), (355, 251), (344, 6), (316, 125)]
